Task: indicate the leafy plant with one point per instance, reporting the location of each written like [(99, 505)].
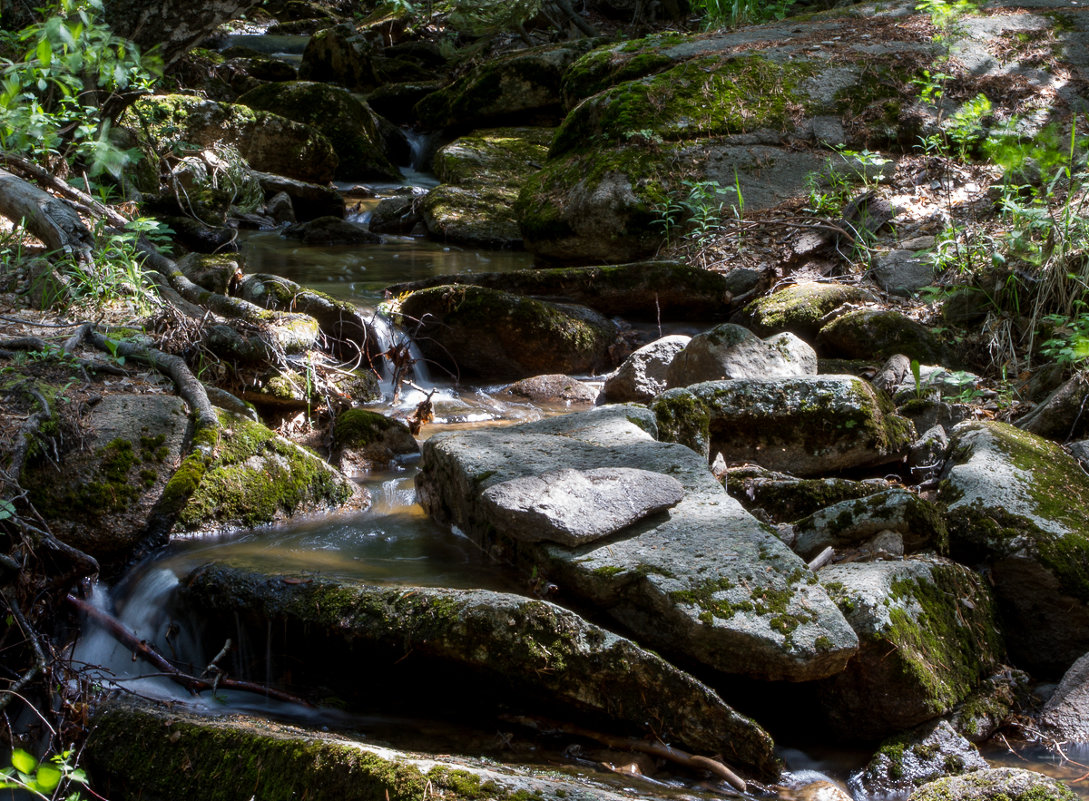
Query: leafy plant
[(1069, 342), (48, 779), (731, 13)]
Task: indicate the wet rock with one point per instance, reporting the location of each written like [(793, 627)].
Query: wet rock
[(331, 231), (869, 333), (214, 753), (984, 712), (780, 498), (494, 335), (995, 784), (575, 507), (482, 174), (347, 122), (309, 201), (1065, 716), (928, 638), (364, 440), (849, 523), (642, 376), (916, 758), (1019, 502), (649, 290), (280, 208), (493, 646), (803, 426), (268, 142), (800, 309), (707, 581), (556, 389), (399, 214), (732, 352), (902, 272)]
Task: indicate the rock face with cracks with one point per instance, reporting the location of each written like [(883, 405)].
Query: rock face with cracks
[(707, 583)]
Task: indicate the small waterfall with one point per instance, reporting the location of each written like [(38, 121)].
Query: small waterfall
[(390, 340), (422, 147)]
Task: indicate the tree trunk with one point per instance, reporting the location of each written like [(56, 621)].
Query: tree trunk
[(51, 220)]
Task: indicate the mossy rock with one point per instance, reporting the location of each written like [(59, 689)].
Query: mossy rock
[(495, 335), (923, 649), (497, 156), (878, 334), (911, 760), (803, 426), (995, 784), (254, 477), (268, 142), (799, 309), (616, 63), (479, 215), (364, 440), (339, 55), (781, 498), (348, 123), (1020, 502)]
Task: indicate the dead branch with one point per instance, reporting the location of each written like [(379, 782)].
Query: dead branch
[(32, 638), (52, 221)]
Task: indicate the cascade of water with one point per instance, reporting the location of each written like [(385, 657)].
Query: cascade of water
[(421, 145)]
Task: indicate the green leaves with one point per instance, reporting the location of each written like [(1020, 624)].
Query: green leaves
[(42, 779)]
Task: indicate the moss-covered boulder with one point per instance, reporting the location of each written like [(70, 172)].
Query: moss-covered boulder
[(253, 477), (364, 440), (799, 309), (103, 497), (647, 290), (498, 649), (348, 123), (729, 351), (803, 426), (472, 331), (482, 174), (1019, 502), (781, 498), (911, 760), (267, 141), (878, 334), (705, 583), (172, 754), (340, 55), (611, 64), (996, 784), (929, 637), (522, 87)]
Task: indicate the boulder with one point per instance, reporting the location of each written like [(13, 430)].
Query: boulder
[(848, 523), (803, 426), (364, 440), (928, 638), (914, 759), (1019, 503), (1065, 716), (873, 333), (649, 290), (985, 711), (308, 201), (555, 390), (268, 142), (902, 272), (800, 309), (575, 507), (481, 175), (781, 498), (331, 231), (642, 375), (731, 352), (339, 55), (494, 335), (1059, 415), (399, 214), (347, 122), (498, 649), (995, 784), (705, 582)]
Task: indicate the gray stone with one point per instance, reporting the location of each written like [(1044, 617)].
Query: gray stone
[(556, 389), (280, 208), (331, 231), (878, 333), (1065, 716), (849, 523), (643, 373), (804, 426), (911, 760), (902, 272), (729, 351), (995, 784), (706, 582), (399, 214), (574, 507), (985, 711)]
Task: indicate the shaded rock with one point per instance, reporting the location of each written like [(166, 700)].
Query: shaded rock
[(779, 498), (707, 582), (399, 214), (280, 208), (902, 272), (996, 784), (849, 523), (195, 236), (282, 389), (268, 142), (552, 389), (574, 507), (396, 101), (927, 455), (347, 122), (803, 426), (496, 647), (642, 376), (214, 273), (364, 440), (339, 55), (648, 290), (210, 752), (800, 309), (928, 637), (1019, 502), (331, 231), (494, 335), (1065, 716), (309, 201), (984, 712), (929, 413), (1060, 415), (913, 759), (869, 333), (731, 352)]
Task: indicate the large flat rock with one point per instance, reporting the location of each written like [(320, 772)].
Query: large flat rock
[(704, 581)]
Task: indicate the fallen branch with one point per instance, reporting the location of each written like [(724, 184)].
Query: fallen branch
[(145, 651), (661, 750)]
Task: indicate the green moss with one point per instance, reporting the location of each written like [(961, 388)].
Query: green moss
[(683, 418), (608, 570), (893, 751)]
